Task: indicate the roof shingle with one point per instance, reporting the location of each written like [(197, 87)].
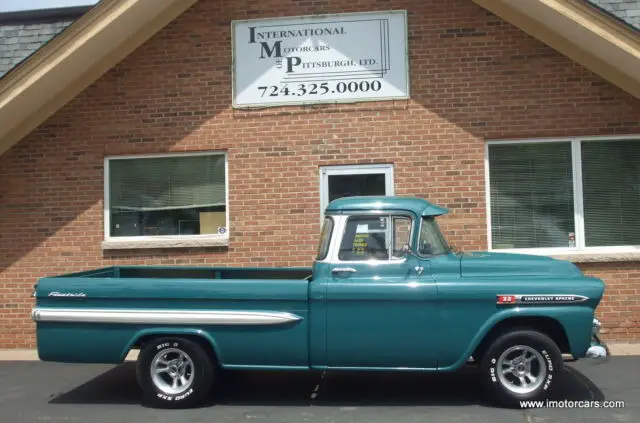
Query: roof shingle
[(23, 33), (627, 11)]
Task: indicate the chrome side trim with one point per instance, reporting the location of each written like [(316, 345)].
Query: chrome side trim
[(343, 269), (164, 317)]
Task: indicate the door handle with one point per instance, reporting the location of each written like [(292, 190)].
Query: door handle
[(343, 269)]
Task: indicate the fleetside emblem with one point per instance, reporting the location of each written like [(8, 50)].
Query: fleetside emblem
[(540, 299)]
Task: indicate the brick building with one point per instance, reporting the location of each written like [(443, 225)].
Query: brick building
[(120, 142)]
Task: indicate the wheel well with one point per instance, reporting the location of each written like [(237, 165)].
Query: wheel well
[(201, 340), (547, 325)]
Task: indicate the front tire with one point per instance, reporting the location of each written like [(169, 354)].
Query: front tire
[(174, 373), (521, 365)]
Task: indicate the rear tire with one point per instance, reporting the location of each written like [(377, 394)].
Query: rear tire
[(174, 373), (521, 365)]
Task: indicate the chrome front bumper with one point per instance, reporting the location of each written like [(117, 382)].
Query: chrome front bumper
[(598, 349)]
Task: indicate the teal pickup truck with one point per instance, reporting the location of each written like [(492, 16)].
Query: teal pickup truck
[(385, 293)]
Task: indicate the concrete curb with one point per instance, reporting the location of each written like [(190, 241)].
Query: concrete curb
[(616, 348), (32, 355)]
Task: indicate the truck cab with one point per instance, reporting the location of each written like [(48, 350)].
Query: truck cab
[(374, 255)]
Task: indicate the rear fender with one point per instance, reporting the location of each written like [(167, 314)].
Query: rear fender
[(169, 331)]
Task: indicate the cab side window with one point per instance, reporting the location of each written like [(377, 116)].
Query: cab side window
[(325, 239), (365, 238)]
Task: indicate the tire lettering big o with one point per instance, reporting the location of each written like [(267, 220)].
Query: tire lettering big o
[(492, 370)]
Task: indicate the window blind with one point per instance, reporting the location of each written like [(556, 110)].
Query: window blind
[(611, 187), (531, 197), (167, 183)]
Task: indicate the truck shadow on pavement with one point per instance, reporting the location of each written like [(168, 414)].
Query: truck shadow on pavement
[(119, 386)]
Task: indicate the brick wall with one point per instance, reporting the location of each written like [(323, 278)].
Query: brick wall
[(473, 77)]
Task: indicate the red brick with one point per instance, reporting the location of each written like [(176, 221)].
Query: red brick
[(504, 84)]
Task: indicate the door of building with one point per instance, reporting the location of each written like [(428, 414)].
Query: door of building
[(354, 180)]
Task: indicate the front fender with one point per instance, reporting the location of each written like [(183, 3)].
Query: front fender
[(576, 322)]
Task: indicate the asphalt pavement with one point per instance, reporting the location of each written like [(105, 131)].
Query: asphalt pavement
[(33, 391)]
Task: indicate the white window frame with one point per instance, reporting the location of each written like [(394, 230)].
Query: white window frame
[(339, 228), (146, 241), (576, 149), (364, 169)]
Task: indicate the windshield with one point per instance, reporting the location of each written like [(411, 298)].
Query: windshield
[(431, 241)]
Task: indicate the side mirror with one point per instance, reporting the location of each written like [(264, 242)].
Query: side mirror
[(406, 252)]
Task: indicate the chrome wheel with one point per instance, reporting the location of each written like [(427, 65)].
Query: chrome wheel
[(521, 369), (172, 371)]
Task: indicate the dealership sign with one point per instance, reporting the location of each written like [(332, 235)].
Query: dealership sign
[(320, 59)]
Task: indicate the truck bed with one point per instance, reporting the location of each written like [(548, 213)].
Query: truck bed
[(186, 272), (96, 316)]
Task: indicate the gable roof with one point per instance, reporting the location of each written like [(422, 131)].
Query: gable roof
[(23, 33), (112, 29), (627, 11), (66, 65)]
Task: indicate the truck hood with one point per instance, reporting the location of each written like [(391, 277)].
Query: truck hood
[(505, 264)]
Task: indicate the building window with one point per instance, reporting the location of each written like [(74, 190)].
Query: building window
[(353, 180), (575, 194), (181, 195)]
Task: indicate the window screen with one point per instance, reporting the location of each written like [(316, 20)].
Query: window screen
[(611, 189), (531, 195), (178, 195)]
